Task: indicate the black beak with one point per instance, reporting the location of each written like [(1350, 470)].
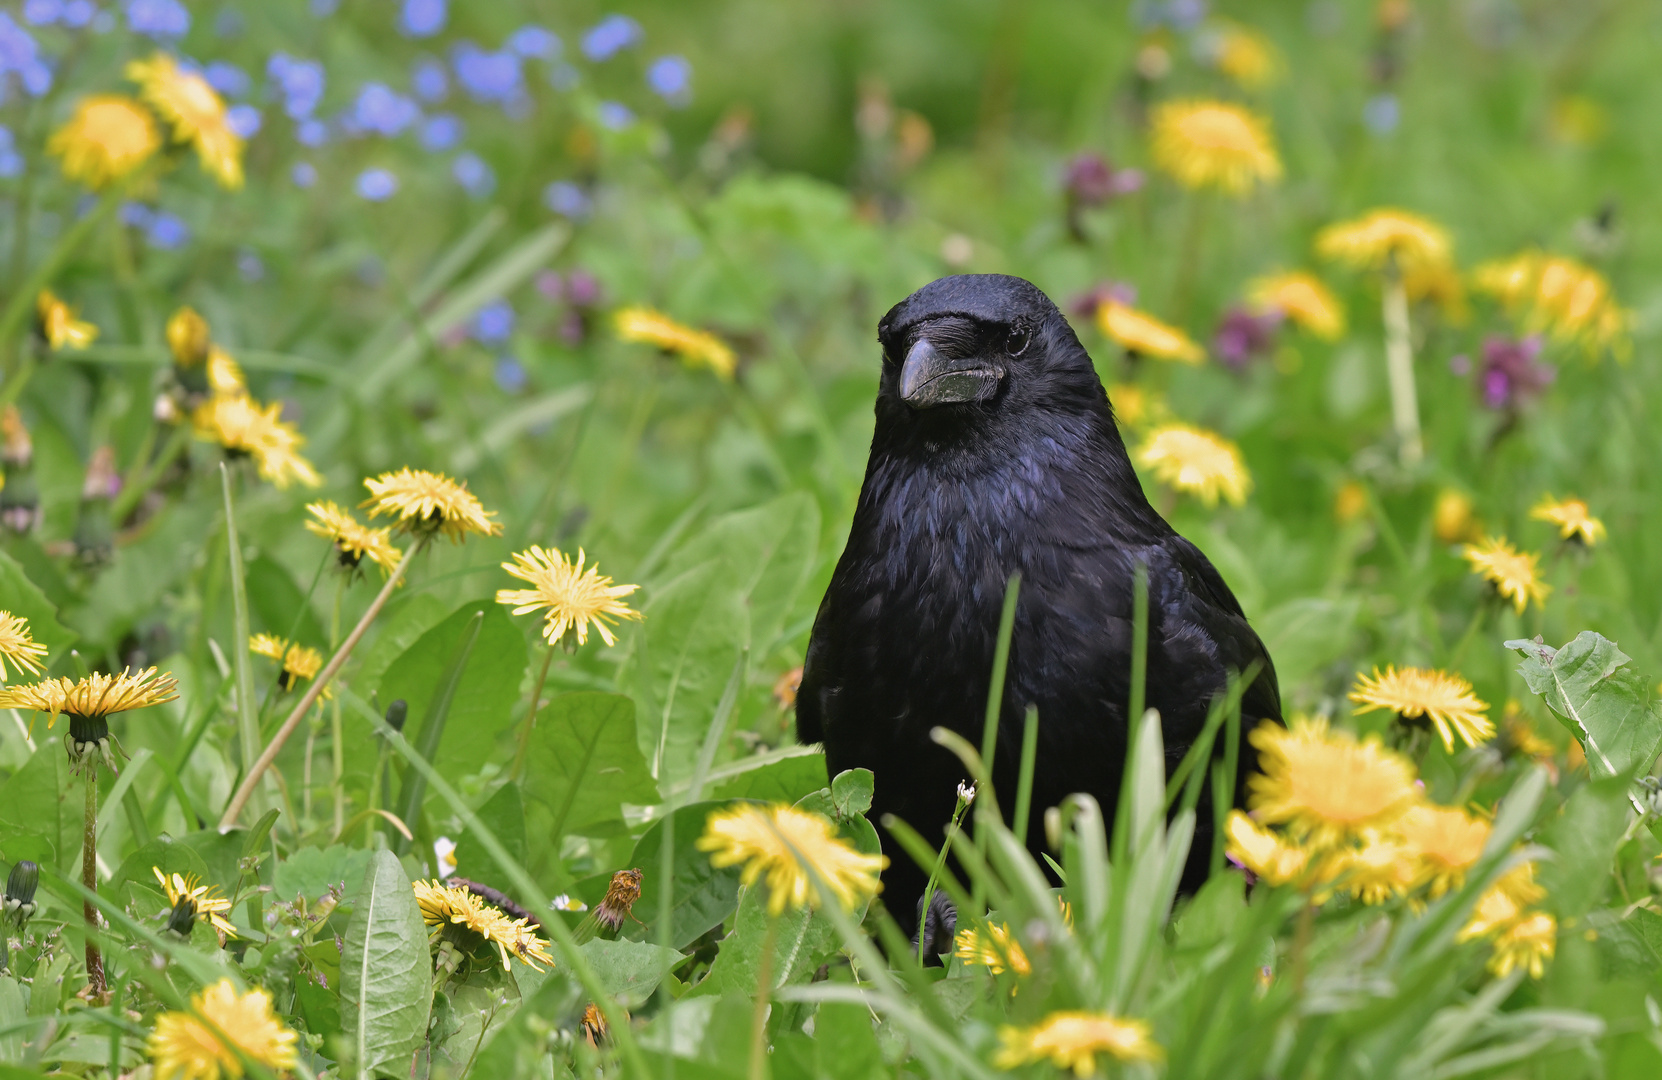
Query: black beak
[(928, 378)]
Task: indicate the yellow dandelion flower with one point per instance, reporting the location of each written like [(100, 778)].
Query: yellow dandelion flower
[(426, 503), (1134, 406), (59, 327), (1559, 296), (95, 696), (1302, 299), (575, 598), (696, 347), (1445, 700), (1572, 518), (191, 900), (1197, 461), (775, 843), (1439, 284), (1381, 869), (183, 1046), (1350, 502), (1246, 56), (1448, 842), (1452, 520), (475, 924), (17, 644), (1214, 144), (298, 661), (993, 947), (1515, 574), (353, 542), (1264, 852), (108, 137), (1376, 238), (1518, 736), (1527, 943), (1326, 785), (244, 427), (187, 337), (1141, 334), (1073, 1039), (224, 374), (195, 113), (1503, 903)]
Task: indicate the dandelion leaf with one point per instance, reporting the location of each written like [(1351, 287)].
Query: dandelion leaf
[(386, 972), (1594, 690)]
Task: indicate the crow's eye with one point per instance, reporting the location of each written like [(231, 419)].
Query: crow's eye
[(1018, 341)]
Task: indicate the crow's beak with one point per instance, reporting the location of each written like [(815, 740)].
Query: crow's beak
[(928, 378)]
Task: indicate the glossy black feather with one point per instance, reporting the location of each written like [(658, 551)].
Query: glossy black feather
[(955, 499)]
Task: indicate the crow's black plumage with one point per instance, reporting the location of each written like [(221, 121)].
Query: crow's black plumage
[(995, 450)]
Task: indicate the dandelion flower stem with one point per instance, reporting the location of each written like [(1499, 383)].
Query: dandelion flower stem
[(524, 747), (246, 789), (96, 987), (1399, 368), (764, 990)]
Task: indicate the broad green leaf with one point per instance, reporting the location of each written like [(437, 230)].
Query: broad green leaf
[(785, 780), (1307, 634), (504, 815), (311, 871), (701, 896), (630, 970), (851, 792), (21, 597), (318, 1006), (386, 972), (435, 719), (13, 1011), (222, 851), (44, 799), (275, 601), (399, 627), (1585, 836), (584, 764), (1592, 687), (167, 855), (843, 1047), (485, 694)]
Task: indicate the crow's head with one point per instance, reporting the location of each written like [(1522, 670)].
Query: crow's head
[(978, 351)]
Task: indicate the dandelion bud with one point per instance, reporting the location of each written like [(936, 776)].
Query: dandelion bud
[(619, 903), (397, 713), (182, 919), (20, 890), (187, 337), (594, 1026)]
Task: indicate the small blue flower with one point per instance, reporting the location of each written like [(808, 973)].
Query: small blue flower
[(228, 79), (243, 120), (167, 232), (313, 133), (377, 185), (477, 178), (78, 13), (423, 18), (567, 199), (304, 174), (299, 82), (135, 215), (670, 77), (20, 55), (383, 111), (487, 76), (158, 18), (429, 80), (441, 132), (493, 323), (42, 12), (11, 162), (614, 115), (535, 43), (1382, 114), (509, 374), (610, 36), (250, 265)]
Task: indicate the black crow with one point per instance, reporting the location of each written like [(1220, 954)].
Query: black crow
[(995, 450)]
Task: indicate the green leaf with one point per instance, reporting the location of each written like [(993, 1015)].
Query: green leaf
[(311, 871), (1307, 634), (44, 800), (13, 1011), (584, 764), (1592, 687), (485, 693), (435, 718), (1585, 836), (701, 897), (843, 1047), (630, 970), (222, 851), (318, 1006), (163, 853), (851, 793), (785, 780), (504, 815), (20, 596), (275, 601), (386, 973)]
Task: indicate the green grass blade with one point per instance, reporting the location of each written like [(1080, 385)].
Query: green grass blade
[(248, 721)]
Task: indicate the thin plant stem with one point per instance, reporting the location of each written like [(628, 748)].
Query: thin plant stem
[(1399, 368), (759, 1018), (337, 730), (524, 748), (96, 985), (246, 789)]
